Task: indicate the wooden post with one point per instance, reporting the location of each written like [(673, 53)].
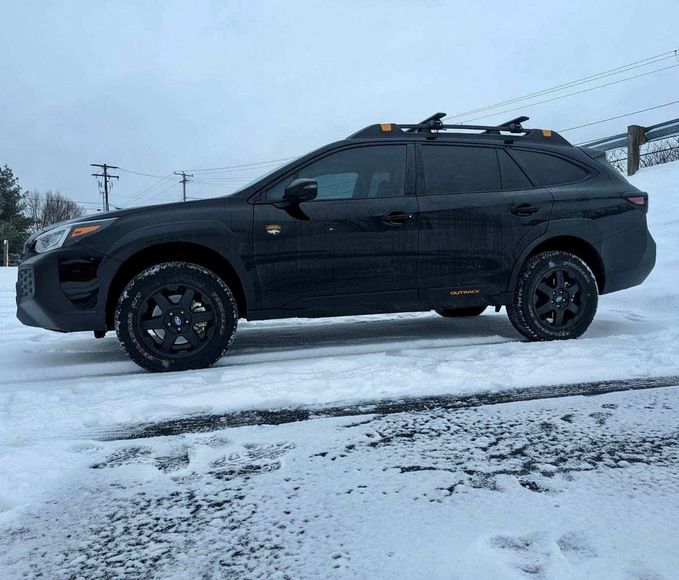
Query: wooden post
[(5, 253), (636, 137)]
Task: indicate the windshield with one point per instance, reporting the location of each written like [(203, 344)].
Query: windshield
[(268, 173)]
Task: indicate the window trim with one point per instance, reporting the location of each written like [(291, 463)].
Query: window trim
[(261, 195), (520, 167)]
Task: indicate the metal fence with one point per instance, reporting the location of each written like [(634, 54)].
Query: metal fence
[(666, 148)]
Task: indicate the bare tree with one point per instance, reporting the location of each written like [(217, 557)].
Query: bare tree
[(49, 208)]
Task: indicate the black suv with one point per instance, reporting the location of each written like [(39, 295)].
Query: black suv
[(394, 218)]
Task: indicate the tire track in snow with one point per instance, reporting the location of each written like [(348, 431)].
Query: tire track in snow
[(214, 422)]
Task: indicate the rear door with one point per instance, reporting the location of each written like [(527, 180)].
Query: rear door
[(476, 207), (354, 246)]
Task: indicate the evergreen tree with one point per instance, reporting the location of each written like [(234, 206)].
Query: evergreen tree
[(14, 224)]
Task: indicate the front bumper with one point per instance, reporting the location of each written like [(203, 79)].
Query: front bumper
[(59, 291)]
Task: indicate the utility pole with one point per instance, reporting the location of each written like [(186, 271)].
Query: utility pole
[(105, 174), (184, 181)]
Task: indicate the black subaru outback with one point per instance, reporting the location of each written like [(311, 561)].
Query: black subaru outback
[(394, 218)]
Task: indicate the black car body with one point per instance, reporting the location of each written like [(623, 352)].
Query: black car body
[(399, 218)]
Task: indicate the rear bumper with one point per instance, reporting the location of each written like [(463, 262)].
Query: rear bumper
[(49, 294), (629, 258)]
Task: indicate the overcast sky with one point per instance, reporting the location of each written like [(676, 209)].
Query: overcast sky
[(160, 86)]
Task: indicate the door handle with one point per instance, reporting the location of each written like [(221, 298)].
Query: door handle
[(396, 218), (525, 209)]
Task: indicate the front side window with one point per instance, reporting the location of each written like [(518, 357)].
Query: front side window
[(360, 173), (547, 169), (460, 169)]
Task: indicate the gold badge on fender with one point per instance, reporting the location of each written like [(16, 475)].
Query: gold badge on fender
[(273, 229), (466, 292)]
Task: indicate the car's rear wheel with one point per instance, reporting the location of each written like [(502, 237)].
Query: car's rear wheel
[(555, 298), (461, 312), (176, 316)]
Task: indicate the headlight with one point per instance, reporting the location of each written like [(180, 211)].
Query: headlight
[(57, 237), (51, 239)]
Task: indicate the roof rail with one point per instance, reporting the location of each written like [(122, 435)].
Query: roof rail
[(433, 127)]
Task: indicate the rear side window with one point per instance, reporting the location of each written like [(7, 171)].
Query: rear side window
[(547, 169), (512, 175), (457, 169), (363, 172)]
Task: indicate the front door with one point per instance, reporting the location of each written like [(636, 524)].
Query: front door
[(353, 248), (476, 208)]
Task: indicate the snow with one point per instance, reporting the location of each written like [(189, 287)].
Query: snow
[(582, 487), (559, 489)]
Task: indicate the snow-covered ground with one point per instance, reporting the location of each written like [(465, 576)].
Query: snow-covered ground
[(561, 489), (582, 487)]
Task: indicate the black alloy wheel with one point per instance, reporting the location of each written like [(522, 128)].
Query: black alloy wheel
[(176, 320), (555, 298), (176, 316), (558, 298)]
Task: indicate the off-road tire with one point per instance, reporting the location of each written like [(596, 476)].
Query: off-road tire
[(461, 312), (523, 313), (137, 299)]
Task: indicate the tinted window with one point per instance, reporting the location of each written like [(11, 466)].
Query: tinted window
[(547, 169), (453, 169), (512, 175), (363, 172)]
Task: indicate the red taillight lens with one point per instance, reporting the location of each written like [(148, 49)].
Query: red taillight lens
[(637, 199)]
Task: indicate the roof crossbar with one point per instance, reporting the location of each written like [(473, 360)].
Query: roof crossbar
[(435, 123), (433, 127), (432, 122)]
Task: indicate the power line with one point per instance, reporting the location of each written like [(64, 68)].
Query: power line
[(174, 183), (618, 117), (243, 165), (106, 177), (523, 107), (139, 173), (150, 188), (584, 80)]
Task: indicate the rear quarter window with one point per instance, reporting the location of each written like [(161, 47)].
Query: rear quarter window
[(545, 169)]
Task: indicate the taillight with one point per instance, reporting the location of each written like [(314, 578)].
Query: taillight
[(638, 199)]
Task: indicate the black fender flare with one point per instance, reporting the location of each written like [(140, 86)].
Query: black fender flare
[(583, 229), (211, 234)]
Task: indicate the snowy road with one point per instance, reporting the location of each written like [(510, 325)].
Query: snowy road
[(557, 488), (584, 487)]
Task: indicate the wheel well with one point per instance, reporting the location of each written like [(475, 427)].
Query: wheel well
[(580, 248), (175, 251)]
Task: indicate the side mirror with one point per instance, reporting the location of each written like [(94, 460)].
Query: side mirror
[(300, 190)]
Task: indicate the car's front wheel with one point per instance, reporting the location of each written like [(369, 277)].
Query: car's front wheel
[(555, 298), (176, 316)]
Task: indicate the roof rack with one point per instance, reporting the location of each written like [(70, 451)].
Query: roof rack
[(433, 127)]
